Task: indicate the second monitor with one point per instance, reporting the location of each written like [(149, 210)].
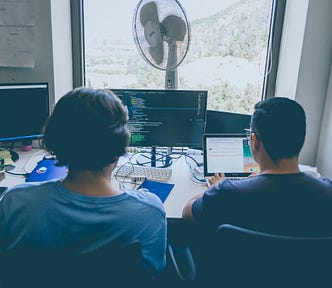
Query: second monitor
[(167, 118)]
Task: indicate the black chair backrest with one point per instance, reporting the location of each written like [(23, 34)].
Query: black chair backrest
[(244, 258), (114, 265)]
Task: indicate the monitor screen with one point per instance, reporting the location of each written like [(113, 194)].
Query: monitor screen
[(226, 122), (168, 118), (24, 109)]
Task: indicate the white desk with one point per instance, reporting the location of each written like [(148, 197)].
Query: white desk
[(182, 191)]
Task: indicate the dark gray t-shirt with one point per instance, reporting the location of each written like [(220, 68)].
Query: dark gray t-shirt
[(289, 204)]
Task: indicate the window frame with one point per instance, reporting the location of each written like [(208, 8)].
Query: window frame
[(274, 43), (272, 57)]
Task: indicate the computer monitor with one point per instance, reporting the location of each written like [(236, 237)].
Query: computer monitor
[(24, 109), (226, 122), (167, 118)]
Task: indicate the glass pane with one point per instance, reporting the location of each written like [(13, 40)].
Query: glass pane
[(226, 56)]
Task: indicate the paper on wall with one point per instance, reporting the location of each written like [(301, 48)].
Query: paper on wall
[(17, 46), (17, 13), (17, 33)]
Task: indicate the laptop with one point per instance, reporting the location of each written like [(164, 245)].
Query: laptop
[(229, 154)]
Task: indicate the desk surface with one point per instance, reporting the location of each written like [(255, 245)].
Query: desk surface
[(182, 191)]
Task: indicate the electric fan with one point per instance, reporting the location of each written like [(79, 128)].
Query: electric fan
[(162, 35)]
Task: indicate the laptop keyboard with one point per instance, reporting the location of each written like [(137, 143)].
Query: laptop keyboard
[(236, 178), (229, 178)]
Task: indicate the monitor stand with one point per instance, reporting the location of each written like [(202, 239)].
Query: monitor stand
[(154, 159)]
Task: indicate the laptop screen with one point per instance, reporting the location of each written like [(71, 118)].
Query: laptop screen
[(229, 154)]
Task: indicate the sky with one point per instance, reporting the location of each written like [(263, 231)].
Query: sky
[(103, 16)]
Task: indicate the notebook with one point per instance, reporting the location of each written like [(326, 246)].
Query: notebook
[(159, 188), (229, 154), (45, 170)]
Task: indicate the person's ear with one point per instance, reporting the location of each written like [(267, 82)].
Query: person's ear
[(254, 141)]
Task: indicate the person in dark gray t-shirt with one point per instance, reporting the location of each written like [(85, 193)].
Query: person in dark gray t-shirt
[(280, 199)]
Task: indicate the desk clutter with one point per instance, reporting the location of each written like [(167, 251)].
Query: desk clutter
[(7, 157), (187, 176)]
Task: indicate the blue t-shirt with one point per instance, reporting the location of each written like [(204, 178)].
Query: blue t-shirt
[(290, 204), (49, 216)]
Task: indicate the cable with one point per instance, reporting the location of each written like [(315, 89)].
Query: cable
[(193, 170), (193, 159), (161, 159), (18, 174), (126, 179), (34, 156)]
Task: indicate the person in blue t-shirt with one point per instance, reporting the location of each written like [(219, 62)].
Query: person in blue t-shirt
[(88, 132), (278, 200)]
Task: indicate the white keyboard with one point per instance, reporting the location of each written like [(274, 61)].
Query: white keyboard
[(141, 172)]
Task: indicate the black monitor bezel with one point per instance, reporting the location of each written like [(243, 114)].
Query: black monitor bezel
[(196, 145), (21, 138), (223, 135)]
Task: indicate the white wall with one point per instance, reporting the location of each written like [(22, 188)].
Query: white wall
[(43, 69), (303, 72), (53, 50), (324, 156), (62, 50), (291, 48)]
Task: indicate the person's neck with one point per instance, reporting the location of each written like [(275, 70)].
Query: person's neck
[(90, 183), (283, 166)]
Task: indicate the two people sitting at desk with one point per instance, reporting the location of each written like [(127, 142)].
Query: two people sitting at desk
[(86, 208)]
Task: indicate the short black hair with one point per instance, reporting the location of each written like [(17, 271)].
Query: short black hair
[(87, 129), (280, 123)]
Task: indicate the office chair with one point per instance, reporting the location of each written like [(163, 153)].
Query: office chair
[(114, 265), (241, 257), (180, 270)]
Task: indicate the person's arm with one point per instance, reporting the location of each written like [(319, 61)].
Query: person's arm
[(186, 212)]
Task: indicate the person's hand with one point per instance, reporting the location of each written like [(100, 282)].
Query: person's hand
[(253, 174), (216, 178)]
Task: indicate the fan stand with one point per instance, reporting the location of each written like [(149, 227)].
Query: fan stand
[(154, 159), (171, 82), (171, 78)]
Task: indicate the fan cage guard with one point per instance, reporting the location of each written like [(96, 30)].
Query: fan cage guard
[(165, 8)]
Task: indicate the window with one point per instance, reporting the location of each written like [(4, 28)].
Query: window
[(227, 54)]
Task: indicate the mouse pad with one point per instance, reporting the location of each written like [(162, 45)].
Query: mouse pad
[(45, 170), (160, 189)]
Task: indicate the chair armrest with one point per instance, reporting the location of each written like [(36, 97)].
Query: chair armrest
[(182, 261)]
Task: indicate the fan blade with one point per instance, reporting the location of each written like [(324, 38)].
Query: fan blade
[(175, 27), (152, 33), (148, 13), (157, 53)]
